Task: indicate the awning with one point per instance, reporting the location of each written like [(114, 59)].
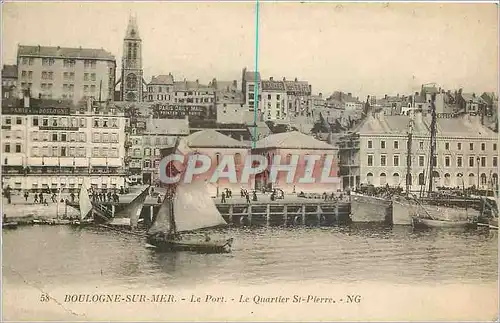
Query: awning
[(98, 162), (66, 161), (51, 161), (13, 160), (115, 162), (35, 161), (81, 162)]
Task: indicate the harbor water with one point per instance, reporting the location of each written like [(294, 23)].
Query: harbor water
[(62, 259)]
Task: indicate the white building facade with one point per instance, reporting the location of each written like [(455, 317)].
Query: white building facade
[(50, 144)]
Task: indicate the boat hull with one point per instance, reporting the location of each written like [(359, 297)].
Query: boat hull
[(9, 225), (429, 223), (366, 208), (196, 246)]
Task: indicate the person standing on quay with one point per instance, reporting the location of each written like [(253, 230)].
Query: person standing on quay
[(223, 198)]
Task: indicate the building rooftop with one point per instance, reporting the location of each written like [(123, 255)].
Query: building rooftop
[(249, 76), (472, 97), (9, 71), (191, 86), (270, 85), (224, 86), (292, 140), (465, 126), (162, 80), (167, 126), (64, 52), (212, 139)]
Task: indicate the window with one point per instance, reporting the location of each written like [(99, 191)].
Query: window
[(434, 161), (63, 137), (459, 146), (85, 76), (483, 161), (483, 146), (370, 144), (471, 146), (54, 137), (459, 161), (113, 123), (370, 160), (96, 123), (8, 121), (54, 122), (447, 161), (19, 120), (114, 152), (63, 151), (95, 151), (421, 145), (383, 160), (55, 151), (396, 144), (495, 161), (396, 160), (421, 179), (447, 145), (6, 148), (96, 137), (382, 144), (494, 146), (35, 121), (471, 161), (421, 161)]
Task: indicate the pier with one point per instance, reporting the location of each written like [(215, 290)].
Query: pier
[(293, 212)]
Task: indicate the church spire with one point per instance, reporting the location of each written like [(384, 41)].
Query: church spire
[(132, 29)]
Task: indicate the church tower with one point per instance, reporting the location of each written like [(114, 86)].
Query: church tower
[(132, 74)]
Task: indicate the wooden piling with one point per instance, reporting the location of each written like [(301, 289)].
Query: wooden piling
[(231, 215), (151, 212), (303, 216), (318, 214), (268, 213), (337, 211), (249, 214), (285, 214)]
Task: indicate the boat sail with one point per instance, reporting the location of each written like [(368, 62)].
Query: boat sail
[(84, 202), (190, 210), (129, 216)]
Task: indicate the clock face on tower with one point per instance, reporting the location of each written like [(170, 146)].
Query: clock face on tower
[(131, 81)]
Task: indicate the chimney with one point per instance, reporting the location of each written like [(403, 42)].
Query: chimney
[(39, 48), (310, 88), (284, 79), (349, 95), (473, 95), (320, 94), (271, 78), (295, 79), (58, 47), (235, 84), (385, 96), (197, 81)]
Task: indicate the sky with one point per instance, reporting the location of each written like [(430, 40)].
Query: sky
[(362, 48)]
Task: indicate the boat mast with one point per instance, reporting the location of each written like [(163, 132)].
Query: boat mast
[(409, 154), (433, 142)]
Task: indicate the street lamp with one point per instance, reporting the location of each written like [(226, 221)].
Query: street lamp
[(478, 160)]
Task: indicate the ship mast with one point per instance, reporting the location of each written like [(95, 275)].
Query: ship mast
[(409, 153), (432, 156)]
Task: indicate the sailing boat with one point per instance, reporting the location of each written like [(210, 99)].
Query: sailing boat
[(190, 210), (128, 217), (85, 206)]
